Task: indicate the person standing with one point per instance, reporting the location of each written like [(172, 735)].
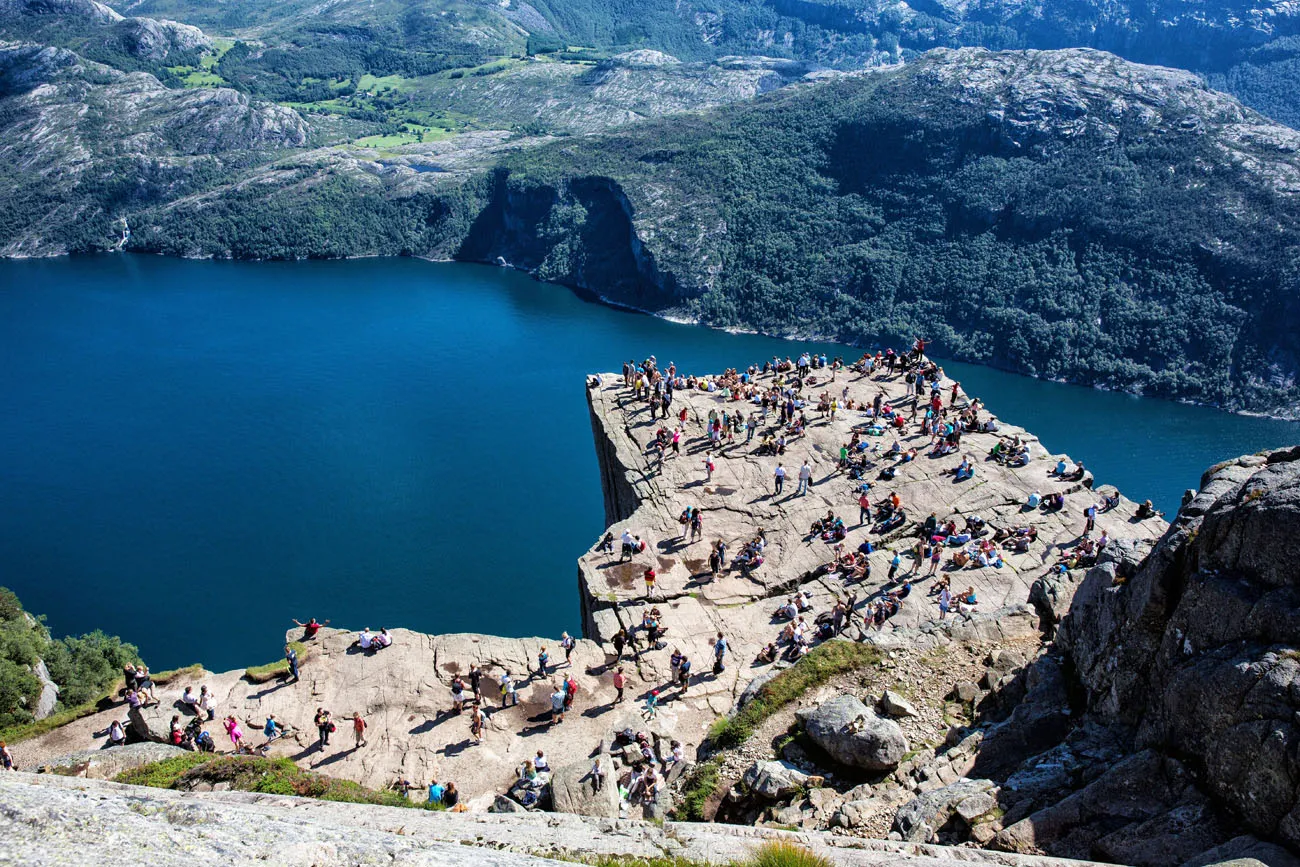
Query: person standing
[(779, 476), (291, 657), (864, 509), (557, 706), (568, 643), (620, 681), (508, 693), (719, 652), (708, 469), (650, 576), (324, 725), (359, 729), (805, 479), (1090, 516), (542, 658)]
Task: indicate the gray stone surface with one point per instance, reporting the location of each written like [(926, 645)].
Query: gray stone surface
[(920, 819), (774, 780), (573, 791), (851, 733), (895, 705), (51, 821), (1195, 645)]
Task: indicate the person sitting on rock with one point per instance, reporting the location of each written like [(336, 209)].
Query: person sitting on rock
[(190, 700), (311, 627), (788, 611), (365, 640), (382, 640), (767, 655), (1147, 510), (116, 734)]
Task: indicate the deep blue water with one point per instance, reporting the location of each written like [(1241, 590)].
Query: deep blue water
[(192, 453)]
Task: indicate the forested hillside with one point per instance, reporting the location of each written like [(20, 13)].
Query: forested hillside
[(1064, 214)]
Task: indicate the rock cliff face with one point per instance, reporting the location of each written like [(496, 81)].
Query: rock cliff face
[(1197, 647)]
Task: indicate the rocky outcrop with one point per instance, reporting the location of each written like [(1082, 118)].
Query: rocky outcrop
[(853, 735), (573, 790), (105, 764), (1197, 647)]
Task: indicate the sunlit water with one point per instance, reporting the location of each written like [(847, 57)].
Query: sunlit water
[(192, 453)]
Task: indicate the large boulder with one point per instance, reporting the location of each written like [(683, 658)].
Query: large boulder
[(105, 764), (774, 780), (153, 722), (853, 735), (572, 791)]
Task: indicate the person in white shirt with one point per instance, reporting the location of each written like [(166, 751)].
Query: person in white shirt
[(190, 700), (365, 639), (779, 475), (805, 478), (383, 639)]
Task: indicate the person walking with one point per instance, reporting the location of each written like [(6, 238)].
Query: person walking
[(620, 681), (359, 729), (233, 731), (805, 479), (652, 704), (779, 476), (708, 469)]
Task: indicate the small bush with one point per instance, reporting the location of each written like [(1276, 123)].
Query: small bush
[(786, 853)]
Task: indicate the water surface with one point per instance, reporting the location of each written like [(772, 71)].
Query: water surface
[(192, 453)]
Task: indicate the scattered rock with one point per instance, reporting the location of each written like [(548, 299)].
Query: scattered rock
[(895, 705)]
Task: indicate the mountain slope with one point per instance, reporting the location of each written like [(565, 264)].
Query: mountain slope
[(1065, 214), (1250, 48)]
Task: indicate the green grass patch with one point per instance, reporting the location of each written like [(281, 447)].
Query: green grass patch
[(820, 665), (786, 853), (268, 776), (697, 789), (273, 670), (375, 83)]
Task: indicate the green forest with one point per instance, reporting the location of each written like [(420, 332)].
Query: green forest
[(82, 666)]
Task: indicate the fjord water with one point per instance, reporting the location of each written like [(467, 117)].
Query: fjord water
[(192, 453)]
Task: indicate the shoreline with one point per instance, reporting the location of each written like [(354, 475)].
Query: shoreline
[(668, 315)]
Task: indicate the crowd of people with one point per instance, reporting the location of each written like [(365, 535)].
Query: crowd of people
[(771, 403)]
